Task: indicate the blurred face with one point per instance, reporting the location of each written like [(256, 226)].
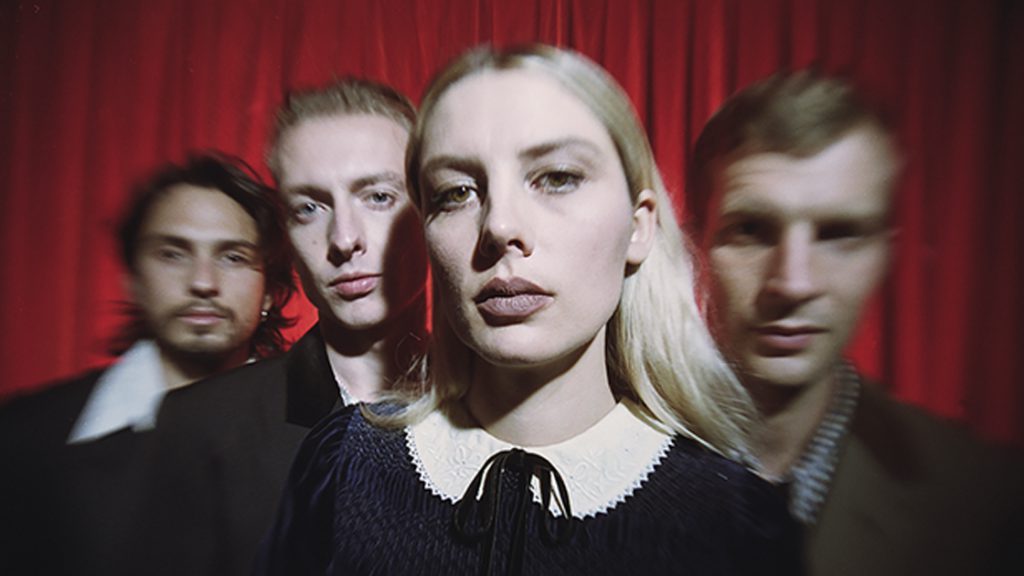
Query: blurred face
[(358, 241), (796, 246), (528, 219), (199, 275)]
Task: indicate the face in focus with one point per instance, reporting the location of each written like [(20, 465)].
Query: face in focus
[(198, 276), (528, 217), (356, 236), (796, 246)]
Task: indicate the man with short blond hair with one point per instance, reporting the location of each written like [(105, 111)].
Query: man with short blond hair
[(337, 154)]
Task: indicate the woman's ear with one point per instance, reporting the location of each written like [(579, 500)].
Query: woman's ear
[(645, 224)]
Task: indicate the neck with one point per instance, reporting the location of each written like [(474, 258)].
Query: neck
[(789, 417), (367, 362), (539, 406), (183, 368)]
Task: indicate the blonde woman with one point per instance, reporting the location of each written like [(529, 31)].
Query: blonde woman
[(578, 411)]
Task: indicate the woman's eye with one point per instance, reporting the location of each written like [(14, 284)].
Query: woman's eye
[(558, 181), (453, 197)]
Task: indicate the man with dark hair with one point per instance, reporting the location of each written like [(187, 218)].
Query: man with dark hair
[(178, 190), (791, 194), (201, 243), (337, 154)]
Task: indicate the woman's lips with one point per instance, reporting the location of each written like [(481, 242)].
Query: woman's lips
[(510, 300), (353, 287), (513, 308)]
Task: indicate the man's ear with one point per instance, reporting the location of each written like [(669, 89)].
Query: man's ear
[(645, 225), (268, 302)]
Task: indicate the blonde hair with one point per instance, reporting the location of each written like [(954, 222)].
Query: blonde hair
[(347, 96), (659, 350)]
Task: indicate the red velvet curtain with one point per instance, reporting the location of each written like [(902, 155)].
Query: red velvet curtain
[(94, 93)]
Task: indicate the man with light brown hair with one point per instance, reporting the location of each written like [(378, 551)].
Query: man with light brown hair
[(791, 198)]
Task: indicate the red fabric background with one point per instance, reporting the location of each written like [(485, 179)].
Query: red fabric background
[(93, 93)]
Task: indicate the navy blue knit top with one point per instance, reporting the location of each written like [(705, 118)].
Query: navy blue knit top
[(356, 504)]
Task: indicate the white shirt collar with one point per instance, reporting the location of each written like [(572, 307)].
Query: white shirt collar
[(601, 466), (128, 394)]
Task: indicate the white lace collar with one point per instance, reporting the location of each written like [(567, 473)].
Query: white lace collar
[(601, 466)]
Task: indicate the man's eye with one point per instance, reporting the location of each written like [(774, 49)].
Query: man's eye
[(380, 200), (237, 259), (304, 211), (170, 254), (454, 197), (747, 232), (558, 181), (840, 232)]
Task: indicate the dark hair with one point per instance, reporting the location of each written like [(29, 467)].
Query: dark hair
[(347, 96), (798, 114), (236, 179)]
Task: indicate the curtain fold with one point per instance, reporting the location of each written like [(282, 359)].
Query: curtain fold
[(95, 93)]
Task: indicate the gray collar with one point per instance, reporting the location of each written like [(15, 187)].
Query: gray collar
[(808, 480), (810, 477)]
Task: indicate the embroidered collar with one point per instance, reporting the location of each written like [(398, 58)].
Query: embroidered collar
[(128, 394), (810, 477), (601, 466)]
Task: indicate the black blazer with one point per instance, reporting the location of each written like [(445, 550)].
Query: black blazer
[(67, 509), (223, 450)]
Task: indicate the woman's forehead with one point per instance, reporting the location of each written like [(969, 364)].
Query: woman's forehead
[(509, 110)]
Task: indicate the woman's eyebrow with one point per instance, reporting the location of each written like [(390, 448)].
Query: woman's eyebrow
[(545, 148), (449, 162)]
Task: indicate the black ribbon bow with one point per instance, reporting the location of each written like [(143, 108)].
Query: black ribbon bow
[(554, 529)]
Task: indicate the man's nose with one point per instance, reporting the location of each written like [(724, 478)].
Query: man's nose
[(346, 235), (205, 278), (792, 274)]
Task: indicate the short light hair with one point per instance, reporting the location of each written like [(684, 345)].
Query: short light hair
[(659, 350), (348, 96), (797, 114)]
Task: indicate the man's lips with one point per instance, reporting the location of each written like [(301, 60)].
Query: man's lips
[(202, 316), (786, 339), (509, 300), (353, 286)]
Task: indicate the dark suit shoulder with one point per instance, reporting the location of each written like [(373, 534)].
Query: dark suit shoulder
[(905, 480), (45, 417), (247, 380), (911, 442), (242, 397), (62, 391)]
